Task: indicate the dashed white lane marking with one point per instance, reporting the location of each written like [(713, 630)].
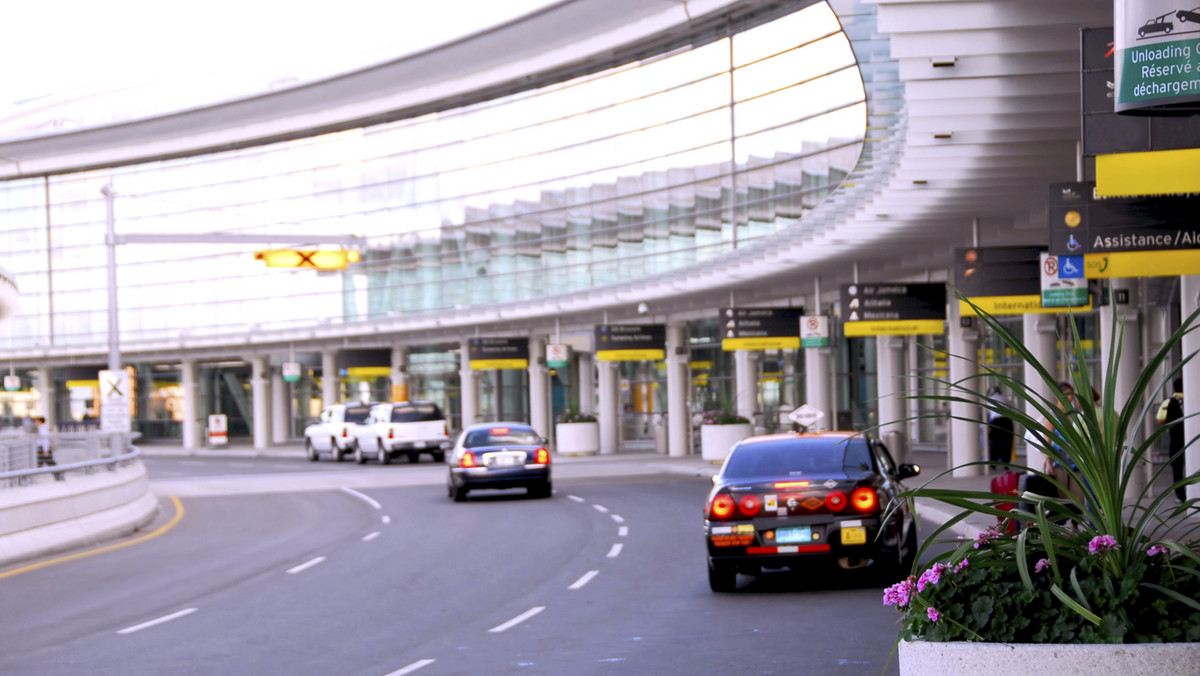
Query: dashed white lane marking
[(600, 508), (615, 551), (517, 620), (370, 536), (584, 579), (387, 519), (617, 517), (365, 498), (412, 667), (283, 466), (165, 618), (575, 498), (623, 531), (306, 565)]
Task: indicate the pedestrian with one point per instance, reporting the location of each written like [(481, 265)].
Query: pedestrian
[(1000, 429), (1064, 469), (1170, 412)]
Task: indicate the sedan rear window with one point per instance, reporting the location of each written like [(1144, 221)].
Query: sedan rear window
[(799, 457), (416, 413), (502, 436)]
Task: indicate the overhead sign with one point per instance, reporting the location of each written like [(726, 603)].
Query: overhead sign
[(1005, 280), (557, 356), (290, 371), (1062, 281), (814, 331), (1154, 50), (114, 401), (12, 383), (766, 328), (893, 309), (498, 353), (631, 342)]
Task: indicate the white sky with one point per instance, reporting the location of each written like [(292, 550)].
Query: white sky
[(76, 45)]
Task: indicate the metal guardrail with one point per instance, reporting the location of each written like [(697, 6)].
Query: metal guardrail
[(21, 463)]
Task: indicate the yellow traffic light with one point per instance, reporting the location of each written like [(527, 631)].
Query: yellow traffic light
[(319, 259)]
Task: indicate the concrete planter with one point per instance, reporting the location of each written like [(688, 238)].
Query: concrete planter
[(581, 438), (927, 658), (716, 440)]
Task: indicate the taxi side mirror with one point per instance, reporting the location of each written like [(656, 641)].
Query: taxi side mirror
[(906, 471)]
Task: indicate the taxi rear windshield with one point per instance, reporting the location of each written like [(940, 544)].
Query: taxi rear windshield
[(501, 436), (416, 413), (800, 457)]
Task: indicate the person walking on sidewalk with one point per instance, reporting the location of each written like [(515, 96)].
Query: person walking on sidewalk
[(1000, 430), (1170, 412)]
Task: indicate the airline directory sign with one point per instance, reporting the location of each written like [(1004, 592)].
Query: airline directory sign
[(1154, 55), (631, 342), (498, 353), (893, 309), (760, 328)]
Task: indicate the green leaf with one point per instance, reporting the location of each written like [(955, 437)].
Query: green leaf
[(981, 610), (1074, 605)]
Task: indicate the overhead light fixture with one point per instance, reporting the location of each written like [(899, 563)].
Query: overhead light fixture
[(920, 181), (943, 61), (943, 134)]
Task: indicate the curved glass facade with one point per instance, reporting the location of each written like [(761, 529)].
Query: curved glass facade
[(640, 170)]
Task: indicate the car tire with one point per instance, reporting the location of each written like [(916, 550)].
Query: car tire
[(381, 453), (440, 456), (310, 452), (459, 493), (414, 458), (542, 490), (359, 457), (722, 578), (335, 453)]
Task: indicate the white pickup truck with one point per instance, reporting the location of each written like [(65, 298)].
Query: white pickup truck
[(334, 432), (412, 428)]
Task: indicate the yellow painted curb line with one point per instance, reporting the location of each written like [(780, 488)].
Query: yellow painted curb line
[(91, 552)]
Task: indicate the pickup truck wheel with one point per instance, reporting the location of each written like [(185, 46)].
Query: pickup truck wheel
[(381, 453), (414, 457), (359, 457), (440, 456), (334, 452), (310, 452)]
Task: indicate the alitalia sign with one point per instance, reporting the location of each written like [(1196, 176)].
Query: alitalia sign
[(1156, 55)]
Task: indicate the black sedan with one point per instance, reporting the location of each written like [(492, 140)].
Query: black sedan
[(787, 499), (499, 455)]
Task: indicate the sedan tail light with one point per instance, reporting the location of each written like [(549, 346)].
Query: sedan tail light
[(864, 499), (467, 460), (835, 501), (721, 507), (542, 457), (749, 505)]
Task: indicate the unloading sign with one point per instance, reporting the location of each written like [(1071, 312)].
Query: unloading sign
[(1156, 55)]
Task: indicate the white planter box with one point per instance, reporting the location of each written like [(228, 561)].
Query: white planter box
[(928, 658), (716, 440), (577, 438)]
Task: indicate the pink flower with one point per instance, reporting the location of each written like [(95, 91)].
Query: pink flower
[(932, 614), (899, 594), (1101, 544), (983, 537), (1156, 550), (932, 576), (1041, 565), (961, 565)]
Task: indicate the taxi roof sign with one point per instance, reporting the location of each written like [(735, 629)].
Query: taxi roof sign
[(806, 415)]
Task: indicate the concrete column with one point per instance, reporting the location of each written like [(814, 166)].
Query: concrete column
[(1189, 301), (818, 382), (400, 374), (191, 403), (470, 398), (890, 359), (965, 424), (260, 393), (1040, 335), (587, 382), (281, 428), (746, 376), (608, 415), (331, 378), (46, 394), (539, 387), (679, 419), (1124, 317)]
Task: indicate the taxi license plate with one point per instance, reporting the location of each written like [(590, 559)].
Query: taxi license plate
[(504, 461), (854, 535), (793, 534)]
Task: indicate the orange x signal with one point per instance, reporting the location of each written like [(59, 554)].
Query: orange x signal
[(318, 259)]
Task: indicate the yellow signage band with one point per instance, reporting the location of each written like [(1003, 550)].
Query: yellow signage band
[(1016, 305), (1161, 172), (1173, 263), (500, 364), (630, 355), (778, 343), (894, 327)]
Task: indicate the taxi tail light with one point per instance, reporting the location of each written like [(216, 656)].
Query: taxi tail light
[(835, 501), (542, 456), (749, 505), (864, 499), (721, 507), (467, 460)]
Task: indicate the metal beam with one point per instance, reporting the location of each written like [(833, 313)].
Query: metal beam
[(352, 241)]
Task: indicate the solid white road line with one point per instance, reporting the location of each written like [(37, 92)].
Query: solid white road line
[(586, 578), (623, 531), (412, 667), (575, 498), (370, 536), (600, 508), (365, 498), (617, 517), (615, 551), (517, 620), (305, 566), (165, 618)]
